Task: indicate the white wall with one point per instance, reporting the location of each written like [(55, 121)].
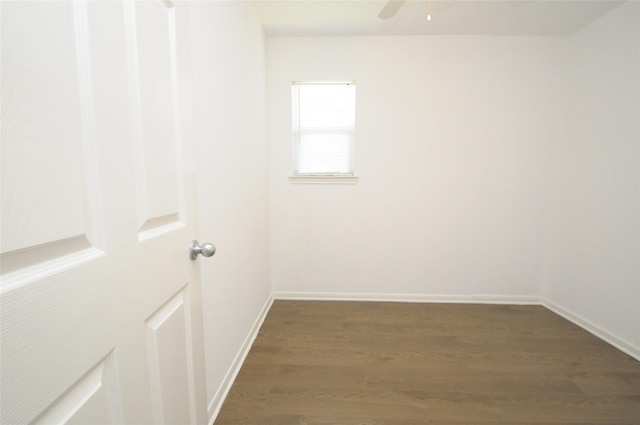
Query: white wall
[(452, 150), (594, 232), (233, 193), (500, 166)]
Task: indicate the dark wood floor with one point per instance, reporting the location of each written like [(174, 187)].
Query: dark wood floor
[(371, 363)]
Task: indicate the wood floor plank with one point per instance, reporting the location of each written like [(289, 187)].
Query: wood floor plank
[(308, 375), (369, 363)]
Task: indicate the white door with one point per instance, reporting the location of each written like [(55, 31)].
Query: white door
[(100, 303)]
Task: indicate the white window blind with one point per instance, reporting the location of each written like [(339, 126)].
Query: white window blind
[(323, 128)]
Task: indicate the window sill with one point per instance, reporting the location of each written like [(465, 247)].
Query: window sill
[(323, 179)]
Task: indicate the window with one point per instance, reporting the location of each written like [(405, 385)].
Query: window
[(323, 128)]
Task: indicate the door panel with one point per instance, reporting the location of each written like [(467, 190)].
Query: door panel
[(169, 363), (100, 304), (52, 335), (92, 400), (154, 63), (43, 194)]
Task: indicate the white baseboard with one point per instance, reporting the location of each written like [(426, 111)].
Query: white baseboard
[(507, 299), (410, 298), (216, 403), (588, 326)]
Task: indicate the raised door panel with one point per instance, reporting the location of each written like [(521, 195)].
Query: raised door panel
[(53, 331), (152, 55), (94, 399), (170, 361), (45, 207)]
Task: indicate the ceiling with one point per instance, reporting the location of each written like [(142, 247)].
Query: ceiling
[(449, 17)]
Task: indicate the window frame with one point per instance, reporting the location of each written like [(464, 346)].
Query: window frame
[(328, 177)]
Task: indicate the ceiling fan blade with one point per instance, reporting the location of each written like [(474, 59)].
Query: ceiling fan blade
[(390, 9)]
